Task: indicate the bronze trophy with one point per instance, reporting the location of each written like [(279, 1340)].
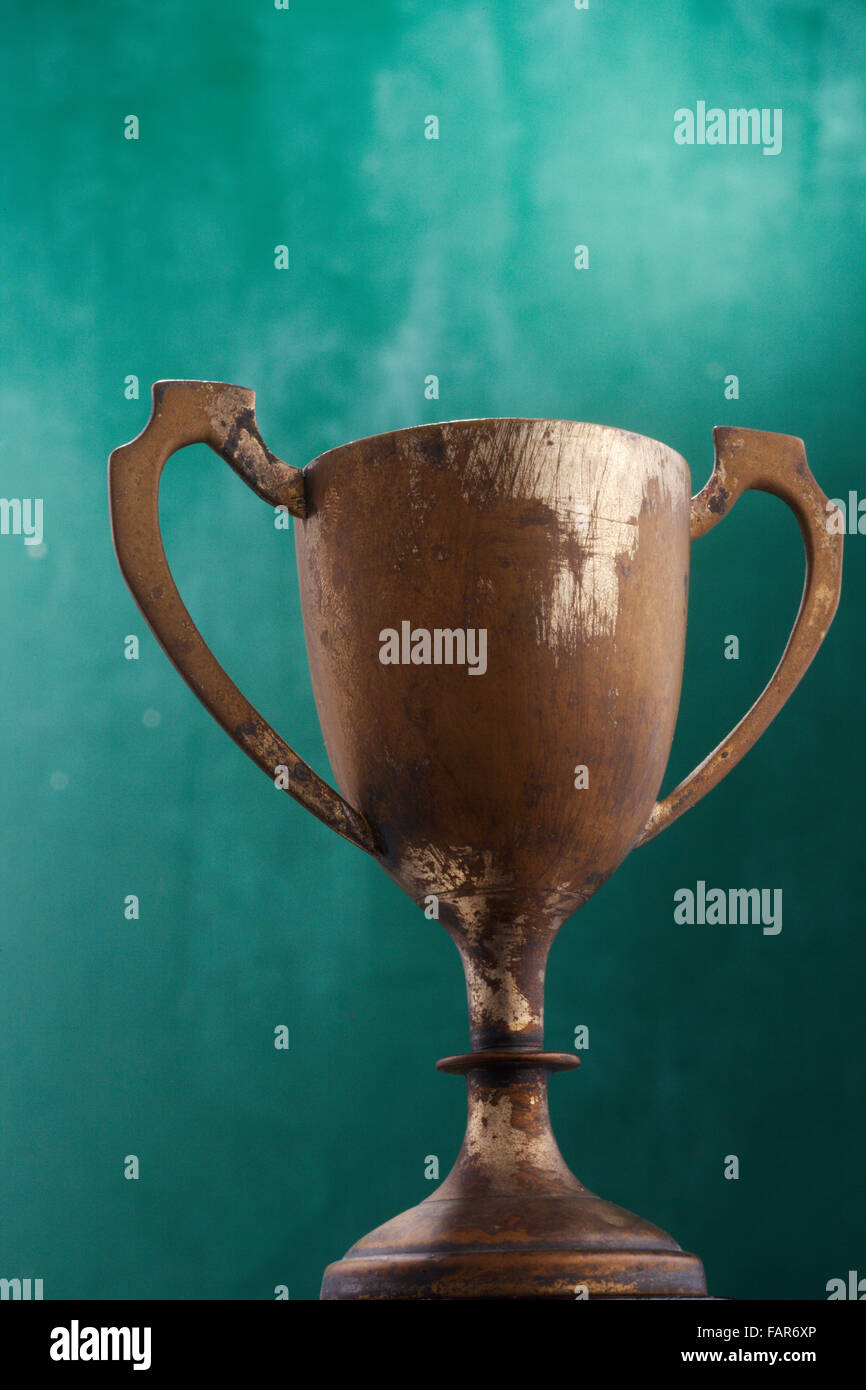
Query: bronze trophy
[(567, 547)]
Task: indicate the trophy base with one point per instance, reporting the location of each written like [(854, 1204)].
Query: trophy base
[(553, 1247)]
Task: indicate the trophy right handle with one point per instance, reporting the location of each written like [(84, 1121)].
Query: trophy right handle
[(774, 463), (223, 417)]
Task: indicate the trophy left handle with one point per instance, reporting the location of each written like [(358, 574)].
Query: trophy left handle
[(223, 417)]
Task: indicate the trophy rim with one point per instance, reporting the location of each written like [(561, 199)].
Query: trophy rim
[(432, 425)]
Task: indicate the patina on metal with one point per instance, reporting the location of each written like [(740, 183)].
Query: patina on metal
[(568, 545)]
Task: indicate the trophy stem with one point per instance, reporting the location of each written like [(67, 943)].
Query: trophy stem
[(509, 1147), (511, 1220), (504, 961)]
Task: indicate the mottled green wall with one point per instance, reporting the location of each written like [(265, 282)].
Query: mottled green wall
[(155, 257)]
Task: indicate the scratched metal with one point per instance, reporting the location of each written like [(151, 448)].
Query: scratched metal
[(569, 545)]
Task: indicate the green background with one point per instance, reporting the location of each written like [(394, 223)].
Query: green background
[(408, 257)]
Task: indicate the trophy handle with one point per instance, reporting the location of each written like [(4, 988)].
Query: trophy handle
[(222, 416), (775, 463)]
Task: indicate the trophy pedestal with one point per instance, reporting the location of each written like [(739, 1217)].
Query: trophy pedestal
[(501, 1247), (511, 1221)]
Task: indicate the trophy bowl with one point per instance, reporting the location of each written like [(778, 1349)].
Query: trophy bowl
[(495, 617)]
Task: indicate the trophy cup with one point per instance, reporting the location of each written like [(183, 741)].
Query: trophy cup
[(566, 547)]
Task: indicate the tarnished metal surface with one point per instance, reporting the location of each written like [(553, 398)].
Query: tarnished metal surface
[(567, 545), (511, 1220), (774, 463), (222, 416)]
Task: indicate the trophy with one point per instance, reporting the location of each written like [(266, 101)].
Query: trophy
[(495, 619)]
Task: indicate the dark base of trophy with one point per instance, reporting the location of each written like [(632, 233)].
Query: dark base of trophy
[(511, 1220)]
